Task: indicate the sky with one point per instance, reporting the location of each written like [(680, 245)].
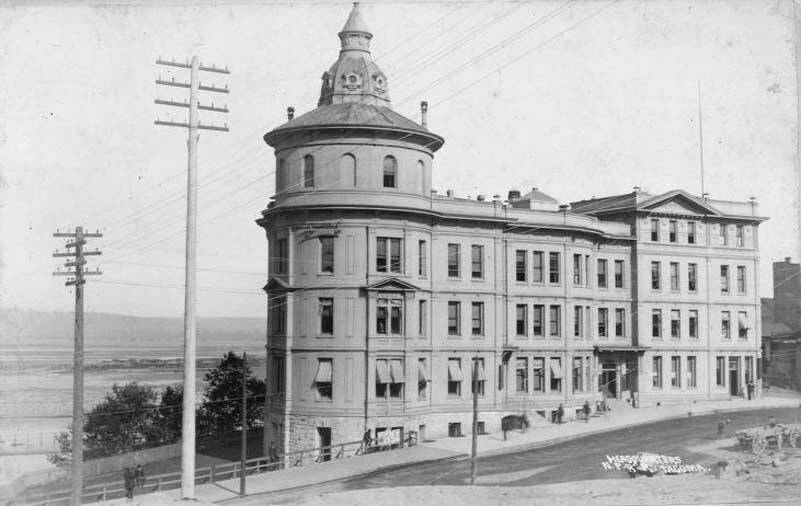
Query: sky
[(578, 99)]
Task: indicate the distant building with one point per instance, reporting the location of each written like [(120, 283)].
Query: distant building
[(781, 327), (383, 292)]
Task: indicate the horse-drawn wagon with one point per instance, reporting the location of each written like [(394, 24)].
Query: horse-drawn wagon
[(760, 439)]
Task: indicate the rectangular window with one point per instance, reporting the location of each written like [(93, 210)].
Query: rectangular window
[(587, 270), (588, 321), (556, 374), (720, 371), (454, 317), (479, 375), (620, 322), (724, 236), (422, 378), (327, 254), (692, 372), (618, 273), (388, 254), (741, 279), (742, 325), (690, 232), (477, 318), (673, 230), (422, 258), (389, 379), (282, 257), (578, 316), (538, 317), (521, 374), (538, 378), (692, 277), (477, 261), (740, 236), (422, 318), (657, 372), (390, 172), (655, 230), (724, 279), (725, 325), (455, 377), (278, 314), (675, 372), (674, 276), (749, 370), (453, 260), (278, 374), (389, 316), (577, 375), (553, 266), (603, 321), (327, 316), (693, 324), (555, 319), (656, 275), (675, 323), (577, 269), (520, 264), (601, 273), (323, 381), (308, 171), (536, 262), (656, 323), (521, 319)]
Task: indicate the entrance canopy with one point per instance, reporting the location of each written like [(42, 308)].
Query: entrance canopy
[(614, 349)]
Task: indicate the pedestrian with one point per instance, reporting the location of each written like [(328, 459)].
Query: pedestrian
[(587, 410), (560, 412), (140, 476), (750, 390), (366, 440), (129, 479)]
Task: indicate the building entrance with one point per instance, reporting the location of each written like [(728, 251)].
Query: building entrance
[(324, 436), (608, 386), (734, 376)]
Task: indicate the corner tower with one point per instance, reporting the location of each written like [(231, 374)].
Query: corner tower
[(353, 142)]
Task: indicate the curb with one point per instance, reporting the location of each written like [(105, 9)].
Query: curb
[(393, 467)]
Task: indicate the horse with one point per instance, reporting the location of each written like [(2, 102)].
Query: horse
[(512, 422)]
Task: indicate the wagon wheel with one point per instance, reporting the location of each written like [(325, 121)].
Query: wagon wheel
[(759, 445), (794, 438)]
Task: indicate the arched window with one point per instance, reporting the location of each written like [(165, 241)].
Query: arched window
[(308, 171), (390, 172), (347, 170)]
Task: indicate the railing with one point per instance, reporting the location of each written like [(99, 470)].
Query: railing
[(220, 472)]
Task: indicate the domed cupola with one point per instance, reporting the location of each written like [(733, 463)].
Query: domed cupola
[(354, 77)]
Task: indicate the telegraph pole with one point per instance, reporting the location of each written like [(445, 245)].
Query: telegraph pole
[(474, 449), (190, 295), (77, 280), (244, 448)]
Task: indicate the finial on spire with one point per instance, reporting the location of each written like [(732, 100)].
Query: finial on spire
[(355, 22), (355, 35)]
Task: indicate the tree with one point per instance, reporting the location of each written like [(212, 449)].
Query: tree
[(221, 412), (130, 418), (171, 413)]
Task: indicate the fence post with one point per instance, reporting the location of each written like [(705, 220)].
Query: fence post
[(158, 485), (103, 495), (211, 474)]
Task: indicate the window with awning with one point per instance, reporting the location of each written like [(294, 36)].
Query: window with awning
[(396, 370), (556, 368), (454, 371), (324, 371), (389, 378), (382, 372), (482, 373), (422, 371)]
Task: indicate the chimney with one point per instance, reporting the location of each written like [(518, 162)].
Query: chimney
[(290, 113), (564, 207), (787, 260), (424, 113), (480, 198), (514, 195), (449, 193), (433, 192), (636, 189)]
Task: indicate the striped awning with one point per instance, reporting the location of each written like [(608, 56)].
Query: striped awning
[(454, 371), (396, 368), (556, 369), (323, 372), (382, 372), (422, 373), (482, 374)]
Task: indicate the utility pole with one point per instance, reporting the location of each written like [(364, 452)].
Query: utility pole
[(244, 449), (474, 450), (797, 161), (77, 280), (190, 295)]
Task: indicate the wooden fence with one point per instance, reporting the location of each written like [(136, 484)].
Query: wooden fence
[(218, 472)]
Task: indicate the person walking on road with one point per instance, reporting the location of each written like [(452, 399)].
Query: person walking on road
[(129, 478), (587, 410), (560, 412), (140, 476)]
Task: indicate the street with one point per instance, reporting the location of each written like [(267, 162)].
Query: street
[(575, 460)]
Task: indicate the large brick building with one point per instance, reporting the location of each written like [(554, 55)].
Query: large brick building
[(382, 292)]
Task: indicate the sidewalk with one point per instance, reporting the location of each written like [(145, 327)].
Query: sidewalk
[(451, 448)]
